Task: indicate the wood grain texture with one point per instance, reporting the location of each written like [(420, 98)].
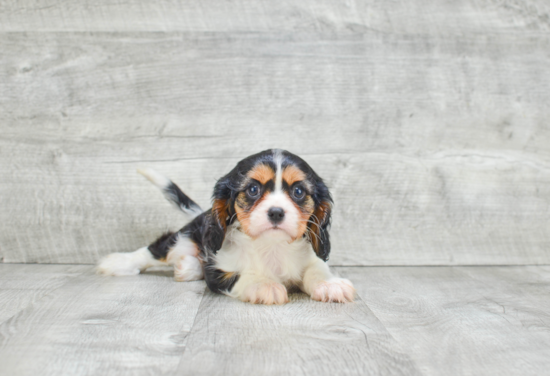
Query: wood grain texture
[(429, 123), (24, 285), (407, 320), (101, 326), (431, 16), (303, 337), (463, 321)]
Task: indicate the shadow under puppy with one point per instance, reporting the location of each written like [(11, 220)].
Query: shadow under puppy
[(267, 231)]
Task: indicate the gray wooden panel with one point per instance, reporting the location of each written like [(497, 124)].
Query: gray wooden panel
[(462, 225), (435, 147), (303, 337), (97, 325), (428, 17), (429, 122), (24, 285), (463, 321)]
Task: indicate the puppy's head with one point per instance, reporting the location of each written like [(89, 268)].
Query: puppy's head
[(275, 194)]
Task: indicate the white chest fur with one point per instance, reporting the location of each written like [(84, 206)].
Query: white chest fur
[(273, 255)]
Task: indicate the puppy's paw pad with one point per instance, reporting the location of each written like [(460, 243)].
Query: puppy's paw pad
[(266, 293), (338, 290)]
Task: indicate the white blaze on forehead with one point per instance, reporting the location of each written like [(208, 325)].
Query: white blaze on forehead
[(278, 159)]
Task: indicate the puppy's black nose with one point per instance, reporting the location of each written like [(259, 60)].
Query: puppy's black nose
[(276, 215)]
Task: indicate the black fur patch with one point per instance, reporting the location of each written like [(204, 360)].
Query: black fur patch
[(175, 194), (219, 281), (160, 247)]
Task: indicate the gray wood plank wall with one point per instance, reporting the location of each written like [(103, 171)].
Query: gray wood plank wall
[(429, 120)]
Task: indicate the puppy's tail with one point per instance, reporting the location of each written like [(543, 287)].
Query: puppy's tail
[(172, 192)]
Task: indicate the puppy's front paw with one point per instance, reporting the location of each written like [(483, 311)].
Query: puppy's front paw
[(337, 290), (265, 293)]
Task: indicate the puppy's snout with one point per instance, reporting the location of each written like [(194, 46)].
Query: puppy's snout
[(276, 215)]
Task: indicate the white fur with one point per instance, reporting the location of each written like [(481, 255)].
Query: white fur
[(278, 159), (131, 263), (339, 290), (183, 255), (272, 262), (183, 247), (321, 285), (187, 269), (259, 220), (154, 177)]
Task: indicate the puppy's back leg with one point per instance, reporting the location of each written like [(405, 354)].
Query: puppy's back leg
[(184, 256), (175, 249), (130, 263)]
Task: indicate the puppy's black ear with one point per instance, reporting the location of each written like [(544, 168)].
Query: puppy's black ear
[(320, 221), (220, 216)]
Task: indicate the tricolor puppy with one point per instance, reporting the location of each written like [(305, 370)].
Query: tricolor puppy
[(267, 231)]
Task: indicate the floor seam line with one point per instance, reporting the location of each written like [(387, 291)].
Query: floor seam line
[(191, 330)]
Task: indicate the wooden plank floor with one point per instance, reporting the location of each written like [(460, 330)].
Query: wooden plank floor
[(65, 320)]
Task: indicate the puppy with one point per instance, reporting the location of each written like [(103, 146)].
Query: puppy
[(267, 231)]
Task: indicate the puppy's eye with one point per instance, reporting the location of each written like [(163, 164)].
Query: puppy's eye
[(253, 190), (298, 192)]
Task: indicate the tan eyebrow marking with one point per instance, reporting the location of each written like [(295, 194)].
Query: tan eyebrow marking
[(262, 173), (292, 174)]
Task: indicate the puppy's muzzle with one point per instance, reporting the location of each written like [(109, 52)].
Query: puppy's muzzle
[(276, 215)]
